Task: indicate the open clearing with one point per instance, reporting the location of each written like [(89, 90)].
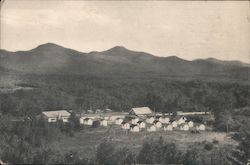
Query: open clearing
[(86, 141)]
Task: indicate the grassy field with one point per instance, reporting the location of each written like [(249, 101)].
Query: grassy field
[(87, 140)]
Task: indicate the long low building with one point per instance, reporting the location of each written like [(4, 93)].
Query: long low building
[(54, 116), (193, 113), (141, 111), (110, 116)]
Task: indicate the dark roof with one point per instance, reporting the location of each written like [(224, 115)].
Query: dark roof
[(179, 117), (156, 121), (182, 124), (133, 125), (88, 119), (124, 122)]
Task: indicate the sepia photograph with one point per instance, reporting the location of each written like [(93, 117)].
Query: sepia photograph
[(124, 82)]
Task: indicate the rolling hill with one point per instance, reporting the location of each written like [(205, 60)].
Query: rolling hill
[(54, 59)]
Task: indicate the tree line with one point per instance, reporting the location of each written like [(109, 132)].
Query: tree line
[(79, 93)]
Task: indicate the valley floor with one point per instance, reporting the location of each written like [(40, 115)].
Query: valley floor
[(86, 141)]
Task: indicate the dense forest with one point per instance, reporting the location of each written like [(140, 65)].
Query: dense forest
[(80, 93)]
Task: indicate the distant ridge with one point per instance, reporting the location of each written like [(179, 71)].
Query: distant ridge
[(51, 58)]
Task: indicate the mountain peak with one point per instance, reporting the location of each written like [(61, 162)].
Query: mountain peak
[(174, 58), (118, 51), (118, 48), (48, 45)]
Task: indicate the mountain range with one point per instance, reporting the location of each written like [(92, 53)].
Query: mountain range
[(50, 58)]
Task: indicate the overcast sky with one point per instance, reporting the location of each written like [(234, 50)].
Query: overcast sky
[(190, 30)]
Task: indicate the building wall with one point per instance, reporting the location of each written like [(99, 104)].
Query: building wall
[(174, 124), (135, 129), (151, 129), (104, 123), (150, 120), (52, 120), (168, 128), (142, 125), (126, 126), (65, 119), (158, 124)]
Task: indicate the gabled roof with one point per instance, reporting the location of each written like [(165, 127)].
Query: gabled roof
[(54, 114), (156, 121), (115, 114), (124, 122), (133, 125), (173, 121), (152, 125), (141, 111), (139, 122), (86, 119), (182, 124)]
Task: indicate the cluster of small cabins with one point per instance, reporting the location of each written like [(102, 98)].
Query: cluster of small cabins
[(136, 120)]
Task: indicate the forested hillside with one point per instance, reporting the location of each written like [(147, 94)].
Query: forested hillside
[(80, 93)]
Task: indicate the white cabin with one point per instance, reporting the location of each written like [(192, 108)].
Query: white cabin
[(141, 124), (190, 124), (88, 121), (184, 127), (167, 120), (182, 120), (125, 125), (201, 127), (150, 120), (103, 123), (151, 128), (54, 116), (134, 128), (81, 120), (174, 124), (135, 120), (161, 119), (157, 124), (118, 121), (168, 127)]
